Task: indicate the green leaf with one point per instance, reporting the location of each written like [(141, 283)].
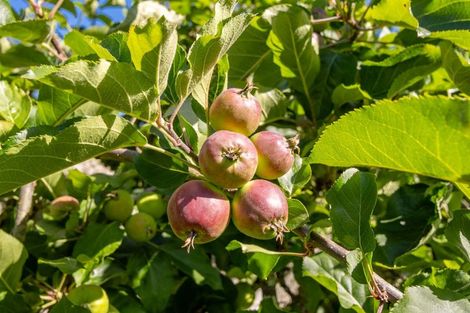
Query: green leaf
[(65, 306), (298, 214), (456, 67), (401, 13), (116, 85), (195, 264), (273, 104), (160, 170), (389, 77), (153, 49), (427, 136), (28, 31), (218, 36), (291, 43), (66, 265), (297, 177), (83, 45), (458, 232), (250, 57), (10, 303), (98, 241), (329, 273), (116, 44), (13, 255), (352, 199), (155, 282), (405, 222), (439, 15), (251, 248), (62, 148), (347, 94), (22, 56), (335, 69), (55, 105), (15, 105), (445, 279), (260, 261), (423, 299)]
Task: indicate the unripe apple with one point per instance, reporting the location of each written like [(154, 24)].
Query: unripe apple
[(235, 110), (228, 159), (141, 227), (152, 204), (198, 212), (275, 154), (119, 205), (260, 210)]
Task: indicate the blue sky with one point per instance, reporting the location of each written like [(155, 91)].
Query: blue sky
[(115, 13)]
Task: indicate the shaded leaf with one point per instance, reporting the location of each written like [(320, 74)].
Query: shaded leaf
[(298, 214), (458, 69), (458, 232), (352, 199), (54, 105), (27, 31), (406, 221), (13, 255), (297, 177), (329, 273)]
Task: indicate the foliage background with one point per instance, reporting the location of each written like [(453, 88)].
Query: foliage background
[(379, 87)]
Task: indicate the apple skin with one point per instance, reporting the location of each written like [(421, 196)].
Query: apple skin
[(228, 159), (91, 297), (152, 204), (260, 210), (141, 227), (275, 154), (198, 207), (119, 206), (235, 110)]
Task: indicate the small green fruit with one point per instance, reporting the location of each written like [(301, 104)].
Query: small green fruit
[(91, 297), (141, 227), (152, 204), (119, 205)]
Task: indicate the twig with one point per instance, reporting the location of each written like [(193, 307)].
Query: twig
[(25, 205), (55, 9), (167, 129), (171, 155), (340, 253), (54, 38), (325, 20)]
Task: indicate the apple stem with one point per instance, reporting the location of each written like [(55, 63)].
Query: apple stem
[(189, 242), (293, 143), (247, 89)]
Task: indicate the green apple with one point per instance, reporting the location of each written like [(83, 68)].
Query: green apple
[(152, 204), (119, 205), (141, 227), (91, 297), (245, 296)]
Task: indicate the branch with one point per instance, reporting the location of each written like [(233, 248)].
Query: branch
[(54, 38), (25, 205), (325, 20), (340, 253)]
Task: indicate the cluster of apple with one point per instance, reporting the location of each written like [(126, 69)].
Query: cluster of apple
[(199, 212)]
